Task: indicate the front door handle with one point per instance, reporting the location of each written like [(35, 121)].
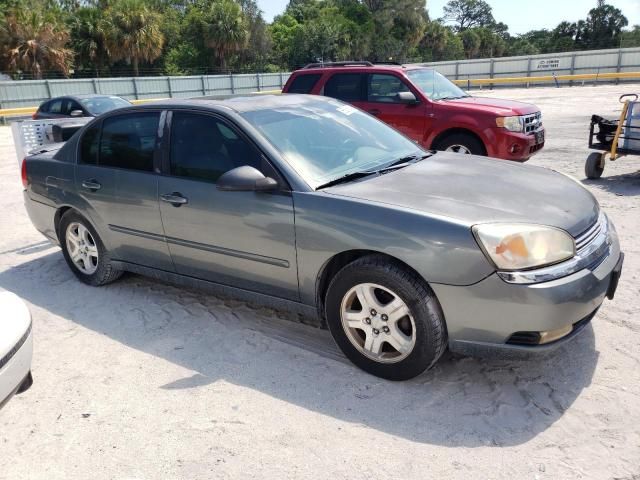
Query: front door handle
[(176, 199), (375, 112), (92, 185)]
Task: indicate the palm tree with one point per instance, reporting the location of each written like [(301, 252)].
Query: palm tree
[(225, 29), (133, 33), (34, 40), (89, 38)]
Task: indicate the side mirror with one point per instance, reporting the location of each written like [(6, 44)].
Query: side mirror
[(246, 179), (76, 113), (408, 98)]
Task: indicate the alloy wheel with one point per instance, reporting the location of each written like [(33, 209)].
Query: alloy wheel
[(82, 248), (378, 323), (458, 149)]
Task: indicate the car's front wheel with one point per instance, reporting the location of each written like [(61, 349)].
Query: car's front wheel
[(385, 319), (461, 143), (84, 251)]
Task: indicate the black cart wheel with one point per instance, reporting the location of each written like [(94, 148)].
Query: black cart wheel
[(594, 165)]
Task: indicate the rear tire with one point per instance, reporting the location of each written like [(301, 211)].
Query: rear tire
[(385, 319), (461, 143), (592, 167), (84, 251)]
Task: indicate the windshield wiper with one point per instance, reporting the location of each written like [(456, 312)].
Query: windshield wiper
[(454, 98), (397, 164), (347, 178), (404, 161)]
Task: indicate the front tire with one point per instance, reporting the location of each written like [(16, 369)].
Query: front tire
[(84, 251), (385, 319), (462, 143)]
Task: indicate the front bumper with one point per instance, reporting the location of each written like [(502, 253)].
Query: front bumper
[(516, 146), (485, 315), (15, 369)]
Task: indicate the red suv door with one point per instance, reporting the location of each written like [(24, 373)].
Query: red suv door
[(382, 101), (375, 93)]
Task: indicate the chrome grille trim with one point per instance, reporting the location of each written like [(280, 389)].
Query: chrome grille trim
[(584, 239), (532, 122)]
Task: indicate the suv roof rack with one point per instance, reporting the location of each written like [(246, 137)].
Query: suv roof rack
[(338, 64), (389, 63)]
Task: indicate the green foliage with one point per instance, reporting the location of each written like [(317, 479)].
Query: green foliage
[(88, 30), (133, 32), (468, 14), (603, 27), (33, 39), (631, 38), (41, 38)]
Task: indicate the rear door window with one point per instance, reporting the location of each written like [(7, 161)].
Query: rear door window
[(348, 87), (304, 83), (129, 141)]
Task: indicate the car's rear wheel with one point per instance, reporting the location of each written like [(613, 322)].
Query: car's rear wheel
[(385, 319), (461, 143), (593, 167), (84, 251)]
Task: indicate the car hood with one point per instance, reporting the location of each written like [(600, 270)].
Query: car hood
[(473, 190), (495, 105)]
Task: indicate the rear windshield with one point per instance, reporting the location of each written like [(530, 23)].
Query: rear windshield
[(99, 105), (303, 83)]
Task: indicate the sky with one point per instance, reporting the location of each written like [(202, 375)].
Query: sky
[(520, 15)]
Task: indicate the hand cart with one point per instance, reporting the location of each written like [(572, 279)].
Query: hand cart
[(614, 138)]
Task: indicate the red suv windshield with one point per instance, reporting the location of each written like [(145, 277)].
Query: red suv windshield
[(434, 85)]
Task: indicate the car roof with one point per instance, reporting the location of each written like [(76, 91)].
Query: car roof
[(240, 104), (359, 68), (82, 96)]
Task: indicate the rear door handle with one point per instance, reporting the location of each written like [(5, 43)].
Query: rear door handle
[(92, 185), (375, 112), (176, 199)]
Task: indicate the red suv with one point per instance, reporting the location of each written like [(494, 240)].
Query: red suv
[(425, 106)]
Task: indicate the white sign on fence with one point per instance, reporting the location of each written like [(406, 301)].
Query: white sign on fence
[(548, 64)]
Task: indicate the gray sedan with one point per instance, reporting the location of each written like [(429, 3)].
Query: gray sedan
[(309, 204)]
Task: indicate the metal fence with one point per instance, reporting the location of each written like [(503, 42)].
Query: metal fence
[(28, 93), (568, 63)]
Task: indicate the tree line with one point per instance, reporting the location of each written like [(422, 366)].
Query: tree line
[(94, 38)]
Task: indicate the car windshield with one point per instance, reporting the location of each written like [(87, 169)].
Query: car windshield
[(99, 105), (434, 85), (324, 141)]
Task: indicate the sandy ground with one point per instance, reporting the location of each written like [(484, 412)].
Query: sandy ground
[(145, 380)]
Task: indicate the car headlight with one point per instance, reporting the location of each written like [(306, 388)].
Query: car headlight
[(513, 124), (521, 246)]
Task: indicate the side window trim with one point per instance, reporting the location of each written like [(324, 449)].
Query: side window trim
[(168, 132)]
